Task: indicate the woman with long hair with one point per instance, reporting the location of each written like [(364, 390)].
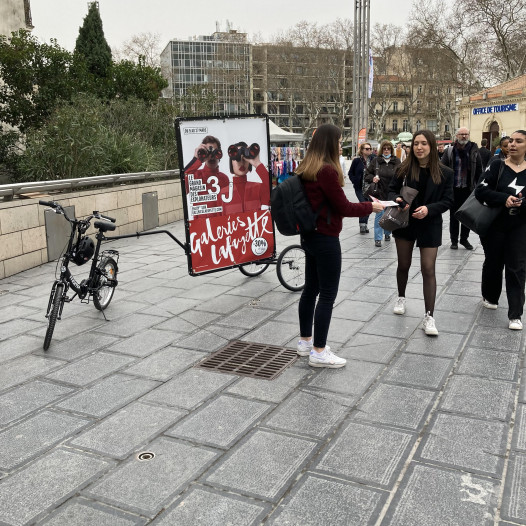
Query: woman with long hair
[(322, 177), (356, 174), (380, 172), (505, 243), (434, 181)]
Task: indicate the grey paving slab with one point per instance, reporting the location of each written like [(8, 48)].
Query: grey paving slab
[(35, 435), (129, 325), (108, 395), (454, 303), (522, 392), (154, 295), (164, 364), (273, 333), (308, 413), (419, 370), (500, 365), (68, 327), (396, 405), (23, 400), (144, 343), (478, 397), (221, 422), (263, 465), (83, 512), (277, 299), (206, 291), (519, 434), (91, 368), (514, 501), (203, 340), (373, 295), (355, 310), (353, 379), (274, 391), (200, 506), (471, 444), (341, 331), (189, 388), (454, 322), (78, 346), (392, 325), (146, 487), (430, 496), (228, 333), (466, 288), (336, 502), (122, 432), (177, 324), (15, 327), (494, 318), (246, 317), (366, 453), (175, 305), (26, 368), (495, 338), (446, 345), (223, 304), (18, 346), (370, 348), (62, 473)]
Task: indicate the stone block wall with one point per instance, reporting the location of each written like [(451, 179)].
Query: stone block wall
[(22, 224)]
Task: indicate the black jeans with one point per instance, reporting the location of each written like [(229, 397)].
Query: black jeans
[(323, 265), (359, 194), (460, 195), (505, 250)]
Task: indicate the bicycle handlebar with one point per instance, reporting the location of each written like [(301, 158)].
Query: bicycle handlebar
[(48, 203), (58, 207), (108, 218)]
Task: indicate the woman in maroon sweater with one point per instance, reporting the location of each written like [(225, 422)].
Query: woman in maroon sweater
[(322, 176)]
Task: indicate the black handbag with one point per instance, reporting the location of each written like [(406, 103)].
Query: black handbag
[(396, 217), (476, 215), (372, 189)]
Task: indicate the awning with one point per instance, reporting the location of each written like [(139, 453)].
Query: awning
[(278, 135)]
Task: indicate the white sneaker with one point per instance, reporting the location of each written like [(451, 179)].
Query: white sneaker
[(326, 359), (429, 325), (304, 347), (399, 307), (515, 325), (489, 305)]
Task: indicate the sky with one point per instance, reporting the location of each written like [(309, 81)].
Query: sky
[(174, 19)]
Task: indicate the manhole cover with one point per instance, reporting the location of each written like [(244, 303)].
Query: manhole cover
[(255, 360), (146, 455)]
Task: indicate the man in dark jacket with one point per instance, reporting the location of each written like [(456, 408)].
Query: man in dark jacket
[(464, 158), (485, 154)]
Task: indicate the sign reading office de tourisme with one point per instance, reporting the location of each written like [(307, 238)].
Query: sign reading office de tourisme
[(499, 108)]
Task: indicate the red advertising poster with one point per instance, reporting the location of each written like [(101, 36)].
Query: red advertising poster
[(226, 184)]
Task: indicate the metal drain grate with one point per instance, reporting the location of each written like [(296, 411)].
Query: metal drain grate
[(255, 360)]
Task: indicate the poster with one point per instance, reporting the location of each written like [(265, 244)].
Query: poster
[(226, 186)]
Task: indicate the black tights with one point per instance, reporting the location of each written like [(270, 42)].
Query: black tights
[(428, 257)]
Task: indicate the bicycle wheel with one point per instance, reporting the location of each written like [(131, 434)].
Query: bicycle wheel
[(53, 314), (253, 269), (291, 268), (105, 287)]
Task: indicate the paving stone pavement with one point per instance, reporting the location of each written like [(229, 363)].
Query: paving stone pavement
[(413, 431)]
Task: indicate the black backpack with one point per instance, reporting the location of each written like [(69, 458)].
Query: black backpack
[(290, 208)]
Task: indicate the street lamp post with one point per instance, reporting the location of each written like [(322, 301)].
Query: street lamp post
[(362, 30)]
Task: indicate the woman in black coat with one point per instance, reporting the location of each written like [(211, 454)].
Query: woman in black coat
[(356, 173), (505, 243), (380, 172), (434, 181)]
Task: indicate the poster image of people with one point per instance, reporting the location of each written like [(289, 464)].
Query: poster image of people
[(226, 187)]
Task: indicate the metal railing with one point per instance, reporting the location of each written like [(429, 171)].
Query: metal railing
[(9, 191)]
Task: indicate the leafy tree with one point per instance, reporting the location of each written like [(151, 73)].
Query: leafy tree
[(34, 77), (91, 44), (137, 80)]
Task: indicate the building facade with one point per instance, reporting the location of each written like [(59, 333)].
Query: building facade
[(15, 15), (221, 62), (495, 112)]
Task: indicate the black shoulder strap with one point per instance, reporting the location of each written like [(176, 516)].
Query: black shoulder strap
[(501, 169)]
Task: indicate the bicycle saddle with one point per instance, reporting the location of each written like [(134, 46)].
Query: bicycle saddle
[(104, 226)]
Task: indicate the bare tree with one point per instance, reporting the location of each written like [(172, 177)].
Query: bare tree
[(144, 48)]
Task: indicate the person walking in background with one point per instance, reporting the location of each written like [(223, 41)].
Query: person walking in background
[(485, 154), (380, 172), (440, 149), (505, 243), (434, 182), (356, 175), (502, 151), (463, 157), (323, 181), (400, 152)]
